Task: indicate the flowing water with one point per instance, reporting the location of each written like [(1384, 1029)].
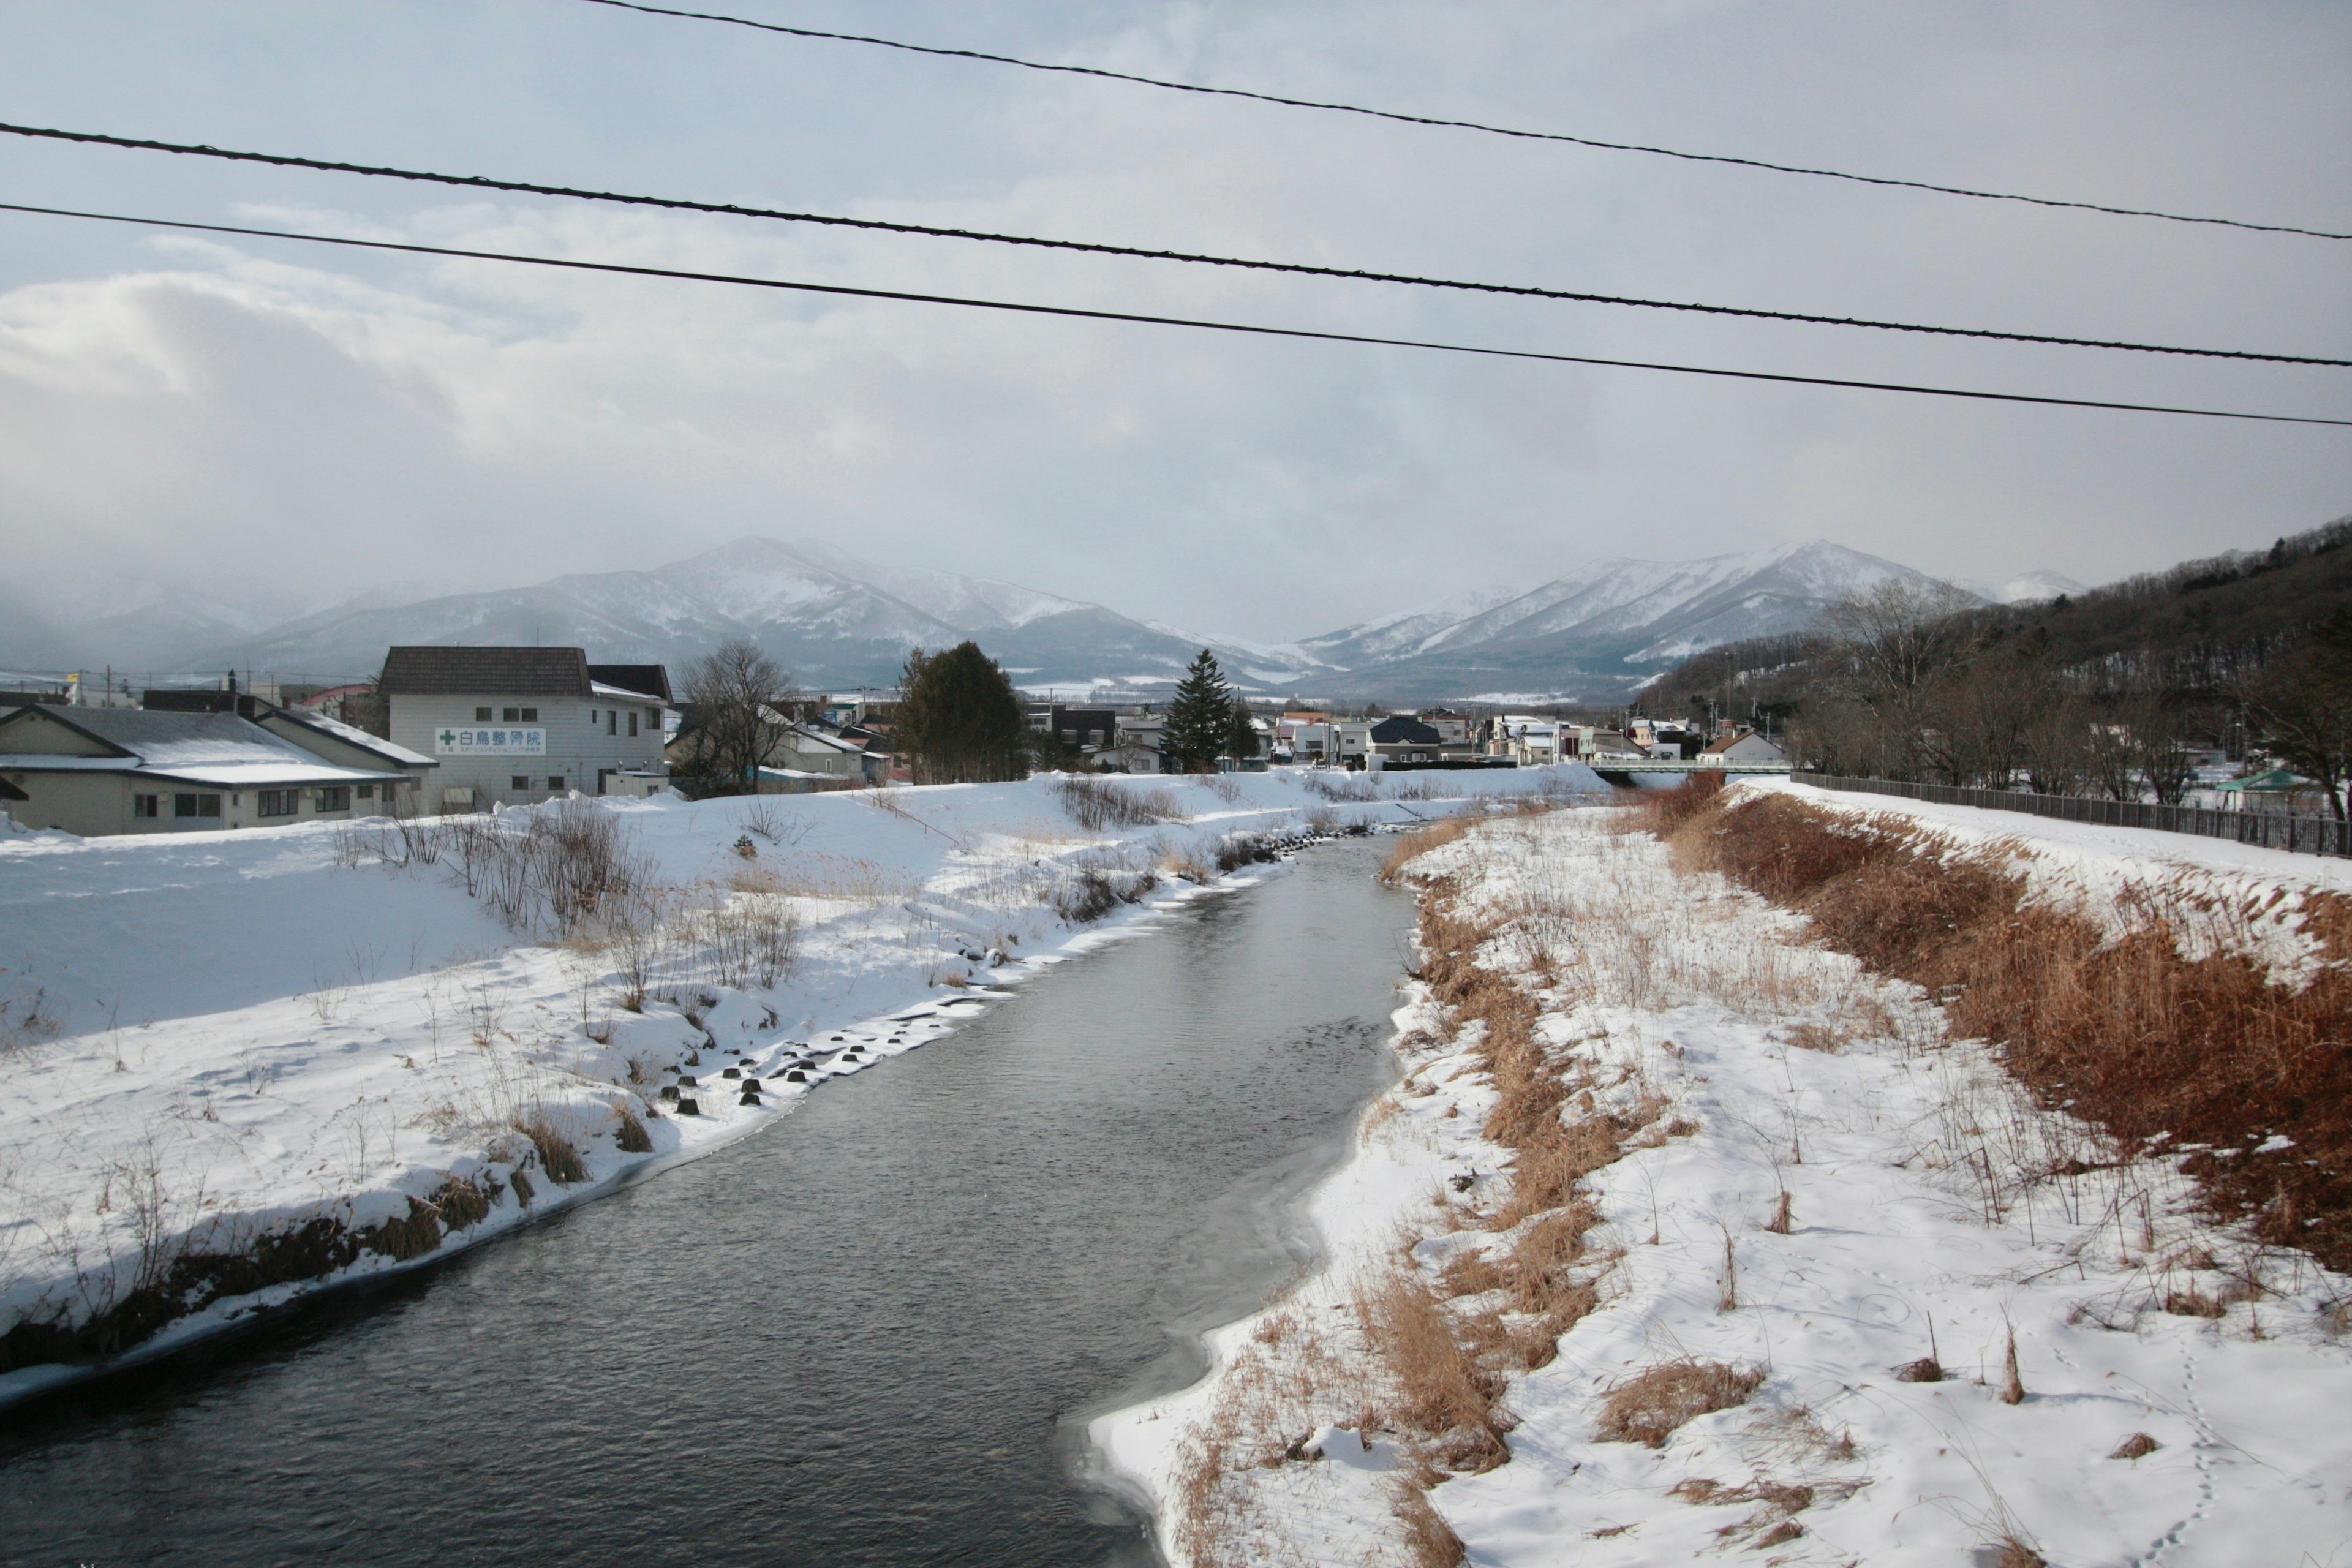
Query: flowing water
[(868, 1334)]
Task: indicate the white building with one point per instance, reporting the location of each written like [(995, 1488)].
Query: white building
[(98, 771), (1747, 746), (519, 725)]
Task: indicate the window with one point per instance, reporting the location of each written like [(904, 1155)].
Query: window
[(612, 722), (143, 804), (195, 805), (521, 781), (555, 781), (632, 720), (367, 792), (530, 715), (512, 715), (335, 798), (481, 715), (276, 803)]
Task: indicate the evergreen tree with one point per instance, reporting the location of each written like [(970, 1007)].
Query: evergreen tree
[(1241, 734), (1201, 716), (960, 721)]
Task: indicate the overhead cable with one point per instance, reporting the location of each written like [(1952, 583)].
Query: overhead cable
[(845, 290), (1093, 248), (1463, 124)]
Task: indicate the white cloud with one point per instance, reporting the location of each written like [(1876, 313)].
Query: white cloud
[(230, 414)]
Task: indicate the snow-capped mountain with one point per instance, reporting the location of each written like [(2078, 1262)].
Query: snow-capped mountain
[(837, 621), (2027, 588), (1598, 631), (828, 617)]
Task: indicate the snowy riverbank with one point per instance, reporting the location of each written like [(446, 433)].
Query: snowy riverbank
[(238, 1065), (1693, 1304)]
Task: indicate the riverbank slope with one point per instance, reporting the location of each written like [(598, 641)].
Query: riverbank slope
[(1684, 1233)]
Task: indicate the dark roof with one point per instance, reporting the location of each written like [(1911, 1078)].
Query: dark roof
[(1404, 730), (435, 671), (10, 792), (652, 679)]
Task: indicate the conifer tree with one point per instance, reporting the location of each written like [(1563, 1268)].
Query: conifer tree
[(1200, 717), (960, 721), (1241, 734)]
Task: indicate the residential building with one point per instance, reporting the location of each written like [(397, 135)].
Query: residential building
[(1743, 746), (1136, 745), (1303, 734), (1087, 730), (99, 770), (1403, 740), (1452, 729), (520, 724), (1533, 742)]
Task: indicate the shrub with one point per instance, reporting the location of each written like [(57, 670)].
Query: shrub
[(1095, 803)]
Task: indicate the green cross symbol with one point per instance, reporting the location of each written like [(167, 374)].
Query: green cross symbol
[(448, 736)]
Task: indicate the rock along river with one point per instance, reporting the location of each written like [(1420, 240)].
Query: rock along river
[(871, 1333)]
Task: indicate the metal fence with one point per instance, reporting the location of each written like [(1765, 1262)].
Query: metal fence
[(2273, 830)]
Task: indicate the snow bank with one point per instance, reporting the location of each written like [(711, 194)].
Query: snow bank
[(1930, 1210), (2221, 896), (210, 1039)]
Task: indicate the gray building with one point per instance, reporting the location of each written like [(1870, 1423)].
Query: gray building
[(520, 724), (99, 770)]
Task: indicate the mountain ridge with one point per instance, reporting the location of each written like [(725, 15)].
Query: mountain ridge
[(1597, 633)]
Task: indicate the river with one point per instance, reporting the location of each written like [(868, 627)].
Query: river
[(871, 1333)]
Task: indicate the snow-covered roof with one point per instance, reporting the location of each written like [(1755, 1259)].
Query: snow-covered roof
[(799, 740), (201, 748), (353, 734), (621, 693)]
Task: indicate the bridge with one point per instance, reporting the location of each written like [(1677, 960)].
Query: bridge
[(1620, 771)]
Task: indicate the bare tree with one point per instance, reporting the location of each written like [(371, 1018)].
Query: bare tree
[(1900, 633), (2302, 707), (738, 700)]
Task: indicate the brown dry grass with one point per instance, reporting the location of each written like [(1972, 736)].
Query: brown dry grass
[(557, 1157), (1439, 1390), (1429, 1541), (2135, 1036), (1652, 1406), (1421, 841)]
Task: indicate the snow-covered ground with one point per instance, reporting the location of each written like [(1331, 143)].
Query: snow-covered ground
[(1743, 1068), (211, 1039)]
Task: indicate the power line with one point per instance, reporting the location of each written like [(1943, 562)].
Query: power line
[(1465, 124), (795, 286), (1093, 248)]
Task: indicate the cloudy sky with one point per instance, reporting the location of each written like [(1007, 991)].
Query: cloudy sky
[(286, 423)]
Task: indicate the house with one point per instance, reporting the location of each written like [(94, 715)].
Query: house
[(1588, 742), (1743, 746), (1304, 734), (1137, 746), (98, 770), (1083, 730), (1405, 739), (1452, 729), (1533, 742), (806, 749), (518, 724)]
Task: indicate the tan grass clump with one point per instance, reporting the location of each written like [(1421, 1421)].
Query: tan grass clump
[(1411, 847), (557, 1157), (1437, 1388), (1652, 1406)]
